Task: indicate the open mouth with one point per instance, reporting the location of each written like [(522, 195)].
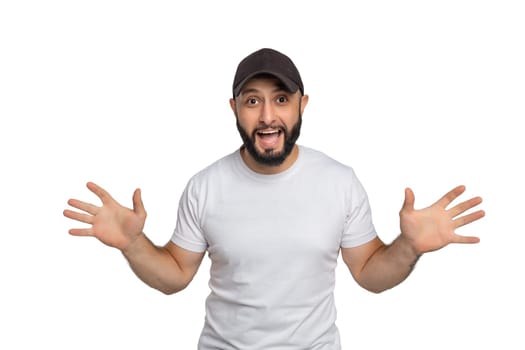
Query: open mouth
[(269, 138)]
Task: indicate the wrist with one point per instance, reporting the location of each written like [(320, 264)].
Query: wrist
[(133, 246), (410, 247)]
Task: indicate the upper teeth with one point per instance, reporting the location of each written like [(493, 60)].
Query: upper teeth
[(267, 132)]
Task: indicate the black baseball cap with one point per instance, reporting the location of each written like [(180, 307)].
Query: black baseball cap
[(268, 61)]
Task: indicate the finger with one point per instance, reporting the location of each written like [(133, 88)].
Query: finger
[(85, 218), (464, 206), (408, 204), (450, 196), (138, 205), (81, 232), (87, 207), (465, 239), (104, 196), (467, 219)]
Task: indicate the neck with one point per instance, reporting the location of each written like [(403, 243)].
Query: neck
[(269, 169)]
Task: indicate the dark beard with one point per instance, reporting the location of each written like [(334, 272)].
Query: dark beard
[(271, 158)]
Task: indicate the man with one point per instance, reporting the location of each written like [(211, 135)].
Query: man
[(273, 217)]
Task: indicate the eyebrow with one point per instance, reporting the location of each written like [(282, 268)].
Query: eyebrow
[(278, 88)]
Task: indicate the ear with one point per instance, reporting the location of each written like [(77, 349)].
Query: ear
[(232, 104), (304, 102)]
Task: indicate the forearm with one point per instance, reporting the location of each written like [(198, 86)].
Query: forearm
[(388, 266), (155, 266)]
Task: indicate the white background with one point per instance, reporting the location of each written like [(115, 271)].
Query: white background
[(426, 94)]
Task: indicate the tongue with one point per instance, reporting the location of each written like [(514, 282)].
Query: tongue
[(269, 140)]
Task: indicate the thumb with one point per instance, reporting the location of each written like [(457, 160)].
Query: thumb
[(408, 205), (138, 205)]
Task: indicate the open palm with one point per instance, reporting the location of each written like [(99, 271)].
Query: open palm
[(434, 227), (112, 223)]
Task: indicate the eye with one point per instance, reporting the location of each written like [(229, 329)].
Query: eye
[(282, 99), (251, 101)]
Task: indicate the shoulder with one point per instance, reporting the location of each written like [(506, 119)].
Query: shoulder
[(216, 170), (322, 163)]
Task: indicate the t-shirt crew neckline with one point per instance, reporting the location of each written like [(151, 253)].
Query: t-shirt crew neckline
[(268, 178)]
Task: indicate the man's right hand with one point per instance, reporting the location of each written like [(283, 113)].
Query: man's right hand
[(112, 223)]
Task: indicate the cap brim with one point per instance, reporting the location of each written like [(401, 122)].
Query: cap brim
[(288, 84)]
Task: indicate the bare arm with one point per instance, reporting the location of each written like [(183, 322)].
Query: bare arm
[(378, 267), (168, 269)]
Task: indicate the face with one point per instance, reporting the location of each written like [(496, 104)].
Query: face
[(268, 120)]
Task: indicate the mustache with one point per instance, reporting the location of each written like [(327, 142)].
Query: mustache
[(273, 159), (275, 126)]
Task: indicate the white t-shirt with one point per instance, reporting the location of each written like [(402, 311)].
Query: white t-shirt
[(273, 241)]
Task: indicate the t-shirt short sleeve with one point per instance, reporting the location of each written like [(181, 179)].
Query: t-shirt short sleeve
[(188, 233), (359, 228)]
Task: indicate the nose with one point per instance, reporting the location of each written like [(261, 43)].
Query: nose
[(267, 115)]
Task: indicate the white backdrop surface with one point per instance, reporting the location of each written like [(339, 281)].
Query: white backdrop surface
[(135, 94)]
